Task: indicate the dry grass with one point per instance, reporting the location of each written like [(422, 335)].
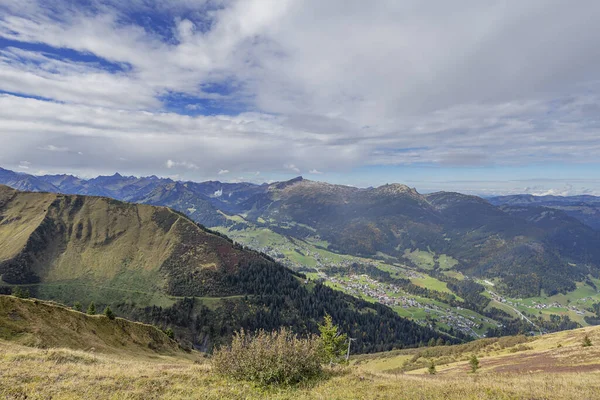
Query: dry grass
[(20, 218), (100, 239), (67, 374), (559, 354), (46, 325), (120, 368)]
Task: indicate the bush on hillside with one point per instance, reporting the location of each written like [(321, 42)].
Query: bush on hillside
[(20, 293), (431, 369), (169, 332), (586, 341), (280, 358), (91, 309), (474, 363), (109, 313)]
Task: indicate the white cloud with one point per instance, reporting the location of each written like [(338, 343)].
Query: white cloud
[(291, 167), (255, 141), (176, 164), (51, 147), (330, 86), (24, 165), (315, 172), (223, 171), (566, 190)]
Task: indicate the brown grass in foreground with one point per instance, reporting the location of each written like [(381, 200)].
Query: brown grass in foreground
[(27, 373)]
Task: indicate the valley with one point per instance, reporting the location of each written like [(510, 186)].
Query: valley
[(419, 254), (311, 256), (155, 265)]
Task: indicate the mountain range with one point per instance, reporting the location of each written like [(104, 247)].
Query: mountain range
[(156, 265), (530, 245), (585, 208)]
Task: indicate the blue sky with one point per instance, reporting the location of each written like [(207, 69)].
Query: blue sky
[(471, 96)]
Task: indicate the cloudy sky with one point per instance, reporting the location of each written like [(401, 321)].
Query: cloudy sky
[(475, 96)]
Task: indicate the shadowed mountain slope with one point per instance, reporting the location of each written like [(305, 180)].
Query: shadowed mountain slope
[(155, 265)]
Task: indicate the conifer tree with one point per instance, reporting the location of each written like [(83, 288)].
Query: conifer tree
[(108, 312), (474, 363), (333, 342), (91, 309)]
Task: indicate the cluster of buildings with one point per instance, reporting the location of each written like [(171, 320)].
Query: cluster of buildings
[(384, 293), (391, 295), (538, 305)]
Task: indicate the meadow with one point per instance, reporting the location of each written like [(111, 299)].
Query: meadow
[(107, 363), (28, 373)]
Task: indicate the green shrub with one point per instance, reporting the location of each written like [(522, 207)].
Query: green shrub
[(586, 341), (431, 368), (474, 363), (109, 313), (279, 358), (77, 306), (169, 332), (20, 293), (91, 309)]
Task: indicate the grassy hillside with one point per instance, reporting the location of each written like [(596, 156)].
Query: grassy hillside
[(155, 265), (556, 352), (550, 367), (57, 238), (48, 325), (527, 251)]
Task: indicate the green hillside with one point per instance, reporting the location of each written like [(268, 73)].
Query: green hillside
[(46, 325), (155, 265), (448, 245)]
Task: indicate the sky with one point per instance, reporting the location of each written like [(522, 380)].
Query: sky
[(475, 96)]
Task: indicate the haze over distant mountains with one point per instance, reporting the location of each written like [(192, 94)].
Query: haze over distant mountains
[(530, 243)]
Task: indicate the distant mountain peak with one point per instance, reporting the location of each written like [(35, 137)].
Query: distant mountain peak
[(283, 185), (395, 189)]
